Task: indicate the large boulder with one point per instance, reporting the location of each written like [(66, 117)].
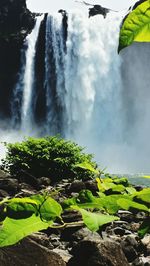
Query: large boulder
[(29, 253), (98, 253)]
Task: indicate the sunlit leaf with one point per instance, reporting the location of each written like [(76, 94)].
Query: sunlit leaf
[(14, 230), (87, 166), (136, 26), (94, 221), (127, 204)]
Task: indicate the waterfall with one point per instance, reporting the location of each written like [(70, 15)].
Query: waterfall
[(24, 90), (54, 74), (92, 77), (85, 91)]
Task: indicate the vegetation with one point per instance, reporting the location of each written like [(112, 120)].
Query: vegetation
[(22, 216), (136, 25), (52, 157)]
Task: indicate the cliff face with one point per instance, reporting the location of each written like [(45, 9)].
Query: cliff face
[(16, 21)]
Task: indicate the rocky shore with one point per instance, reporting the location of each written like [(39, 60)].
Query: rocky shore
[(117, 244)]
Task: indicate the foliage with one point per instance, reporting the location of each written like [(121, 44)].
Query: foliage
[(53, 157), (136, 25), (39, 212), (22, 216)]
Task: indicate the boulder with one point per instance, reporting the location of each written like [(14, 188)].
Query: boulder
[(29, 253), (90, 252)]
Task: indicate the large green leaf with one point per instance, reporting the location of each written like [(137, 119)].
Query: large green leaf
[(94, 221), (14, 230), (136, 26), (128, 204), (50, 209)]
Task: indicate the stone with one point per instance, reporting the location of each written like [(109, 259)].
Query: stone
[(75, 186), (119, 231), (10, 185), (4, 174), (91, 252), (65, 255), (29, 253), (129, 246)]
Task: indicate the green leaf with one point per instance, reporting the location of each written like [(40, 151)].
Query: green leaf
[(127, 204), (50, 209), (136, 26), (95, 221), (143, 195), (87, 166), (144, 228), (19, 208), (14, 230)]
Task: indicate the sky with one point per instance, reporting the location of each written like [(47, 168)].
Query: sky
[(55, 5)]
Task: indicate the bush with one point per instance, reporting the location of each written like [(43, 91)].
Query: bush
[(53, 157)]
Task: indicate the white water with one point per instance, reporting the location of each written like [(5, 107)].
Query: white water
[(54, 52), (28, 79), (93, 77)]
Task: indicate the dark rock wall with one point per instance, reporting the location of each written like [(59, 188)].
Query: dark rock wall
[(16, 21)]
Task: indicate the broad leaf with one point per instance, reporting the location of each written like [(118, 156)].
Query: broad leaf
[(95, 221), (136, 26), (143, 195), (14, 230), (127, 204), (87, 166), (50, 209)]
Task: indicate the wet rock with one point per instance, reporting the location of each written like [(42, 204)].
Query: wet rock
[(91, 185), (119, 231), (4, 174), (44, 181), (64, 254), (3, 194), (98, 253), (146, 242), (29, 253), (10, 185), (82, 233), (129, 246), (75, 186)]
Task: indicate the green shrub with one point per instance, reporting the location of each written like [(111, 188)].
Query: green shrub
[(53, 157)]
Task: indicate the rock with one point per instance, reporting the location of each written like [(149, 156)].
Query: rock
[(98, 253), (3, 194), (4, 174), (82, 233), (146, 243), (44, 181), (146, 260), (119, 231), (91, 185), (27, 178), (29, 253), (42, 239), (10, 185), (129, 246), (63, 253), (75, 186)]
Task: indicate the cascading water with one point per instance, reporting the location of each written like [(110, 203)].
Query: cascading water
[(87, 92), (54, 74), (24, 90), (92, 78)]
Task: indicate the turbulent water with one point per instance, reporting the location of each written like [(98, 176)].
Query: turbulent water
[(90, 94)]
